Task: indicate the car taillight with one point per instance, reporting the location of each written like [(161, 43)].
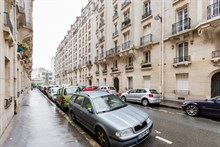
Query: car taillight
[(63, 99), (150, 95), (107, 91)]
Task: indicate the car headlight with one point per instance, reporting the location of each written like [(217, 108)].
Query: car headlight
[(149, 121), (125, 132)]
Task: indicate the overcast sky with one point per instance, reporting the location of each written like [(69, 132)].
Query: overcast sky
[(52, 19)]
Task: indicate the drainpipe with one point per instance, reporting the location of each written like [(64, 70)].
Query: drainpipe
[(162, 48)]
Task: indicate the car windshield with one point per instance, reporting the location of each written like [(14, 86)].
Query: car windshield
[(70, 90), (112, 88), (153, 91), (214, 98), (108, 103), (54, 90)]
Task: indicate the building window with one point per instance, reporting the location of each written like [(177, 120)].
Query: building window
[(182, 20), (147, 57), (130, 61), (182, 52), (104, 81), (115, 64), (182, 82), (130, 82), (147, 82), (147, 7)]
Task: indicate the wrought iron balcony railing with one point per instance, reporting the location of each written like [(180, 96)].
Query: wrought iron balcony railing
[(181, 25), (216, 54), (146, 39), (126, 22), (112, 51), (125, 3), (146, 14), (115, 33), (126, 45), (181, 59), (213, 10), (7, 22)]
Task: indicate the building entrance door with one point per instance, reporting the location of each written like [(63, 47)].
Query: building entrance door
[(116, 84), (215, 86)]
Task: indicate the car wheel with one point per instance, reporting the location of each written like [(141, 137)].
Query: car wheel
[(62, 106), (144, 102), (192, 110), (123, 98), (102, 137), (72, 116)]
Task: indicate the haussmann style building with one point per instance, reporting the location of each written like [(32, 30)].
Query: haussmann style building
[(16, 33), (172, 46)]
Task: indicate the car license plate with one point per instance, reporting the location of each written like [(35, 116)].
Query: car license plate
[(143, 134)]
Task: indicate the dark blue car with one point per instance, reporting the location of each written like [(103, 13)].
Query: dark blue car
[(209, 107)]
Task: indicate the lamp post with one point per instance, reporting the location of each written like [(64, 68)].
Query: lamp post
[(160, 17)]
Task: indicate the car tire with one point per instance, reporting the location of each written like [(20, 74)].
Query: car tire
[(62, 107), (72, 116), (123, 98), (102, 137), (145, 102), (192, 110)]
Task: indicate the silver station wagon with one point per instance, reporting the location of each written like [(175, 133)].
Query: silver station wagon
[(112, 121), (142, 95)]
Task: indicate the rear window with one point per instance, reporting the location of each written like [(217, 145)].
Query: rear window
[(153, 91), (112, 88), (70, 91)]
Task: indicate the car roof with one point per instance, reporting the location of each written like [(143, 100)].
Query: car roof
[(94, 94)]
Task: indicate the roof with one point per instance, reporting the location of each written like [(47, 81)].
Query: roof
[(94, 94)]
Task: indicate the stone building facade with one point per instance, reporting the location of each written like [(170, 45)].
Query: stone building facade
[(169, 45), (15, 56)]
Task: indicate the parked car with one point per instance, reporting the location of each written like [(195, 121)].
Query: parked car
[(112, 121), (90, 88), (142, 95), (52, 93), (63, 95), (108, 89), (209, 107)]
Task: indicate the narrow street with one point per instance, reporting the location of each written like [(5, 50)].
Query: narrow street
[(39, 123)]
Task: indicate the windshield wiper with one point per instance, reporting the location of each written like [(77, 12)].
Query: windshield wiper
[(103, 111), (119, 107)]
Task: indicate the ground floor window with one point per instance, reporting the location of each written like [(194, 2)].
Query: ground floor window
[(146, 82), (182, 83), (130, 82)]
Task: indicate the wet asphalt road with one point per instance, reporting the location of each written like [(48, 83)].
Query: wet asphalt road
[(39, 124)]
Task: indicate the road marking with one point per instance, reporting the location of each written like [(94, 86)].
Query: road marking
[(158, 132), (161, 110), (164, 140), (180, 113)]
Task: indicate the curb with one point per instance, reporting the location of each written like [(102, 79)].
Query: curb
[(171, 106)]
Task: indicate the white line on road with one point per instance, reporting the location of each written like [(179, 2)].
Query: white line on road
[(180, 113), (164, 140), (161, 110), (158, 132)]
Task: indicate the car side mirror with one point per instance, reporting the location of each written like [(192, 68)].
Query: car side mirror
[(90, 110)]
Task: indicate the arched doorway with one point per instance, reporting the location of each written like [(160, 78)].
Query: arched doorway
[(215, 86), (116, 84)]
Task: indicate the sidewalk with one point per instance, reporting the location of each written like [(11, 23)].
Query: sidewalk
[(171, 104), (40, 124)]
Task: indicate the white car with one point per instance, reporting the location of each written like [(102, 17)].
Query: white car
[(142, 95), (108, 89), (52, 93)]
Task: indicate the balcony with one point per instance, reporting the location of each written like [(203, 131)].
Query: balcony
[(125, 23), (8, 29), (185, 61), (96, 58), (215, 56), (114, 69), (101, 8), (126, 45), (97, 73), (115, 15), (213, 10), (101, 39), (112, 51), (181, 26), (125, 3), (146, 39), (102, 55), (146, 65), (129, 68), (146, 14), (89, 63), (104, 71), (115, 33), (101, 24)]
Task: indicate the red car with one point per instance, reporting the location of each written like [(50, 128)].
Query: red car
[(90, 88)]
